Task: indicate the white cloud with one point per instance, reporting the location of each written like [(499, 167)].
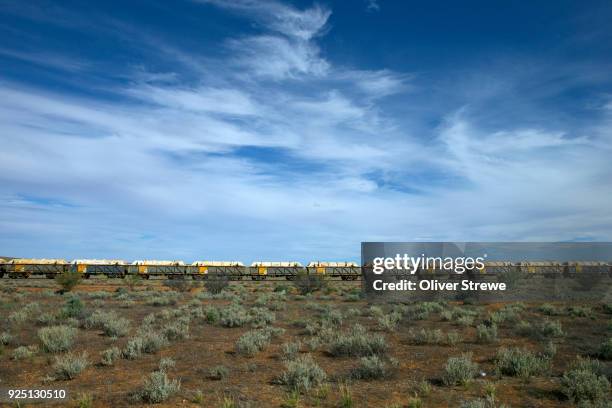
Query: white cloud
[(274, 151)]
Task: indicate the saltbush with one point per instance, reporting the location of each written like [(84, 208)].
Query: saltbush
[(158, 388), (459, 370), (68, 366), (486, 333), (371, 367), (252, 342), (55, 339), (357, 342), (521, 363), (303, 374), (109, 356), (234, 316), (580, 385)]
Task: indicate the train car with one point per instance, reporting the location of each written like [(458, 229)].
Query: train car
[(586, 267), (113, 268), (548, 268), (288, 270), (24, 267), (3, 266), (232, 270), (148, 268), (343, 270), (498, 267)]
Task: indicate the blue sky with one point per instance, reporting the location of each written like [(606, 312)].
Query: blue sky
[(265, 130)]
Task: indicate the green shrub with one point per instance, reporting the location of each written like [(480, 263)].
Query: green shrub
[(303, 374), (605, 349), (109, 356), (177, 330), (415, 402), (131, 281), (234, 316), (503, 316), (291, 350), (68, 280), (166, 363), (133, 348), (73, 307), (549, 310), (5, 338), (117, 328), (453, 338), (550, 328), (486, 334), (390, 321), (332, 317), (23, 352), (57, 338), (261, 316), (579, 311), (84, 401), (357, 342), (465, 320), (217, 284), (307, 283), (584, 385), (211, 314), (46, 318), (459, 370), (252, 342), (69, 366), (520, 363), (158, 388), (426, 336), (218, 372), (371, 367), (161, 300), (146, 342), (23, 314)]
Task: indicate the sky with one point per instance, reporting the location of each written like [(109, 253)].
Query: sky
[(267, 130)]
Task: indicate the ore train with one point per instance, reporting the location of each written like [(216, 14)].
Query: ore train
[(233, 270)]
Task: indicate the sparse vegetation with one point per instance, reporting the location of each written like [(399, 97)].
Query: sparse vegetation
[(486, 333), (309, 283), (459, 370), (109, 356), (521, 363), (371, 367), (583, 385), (357, 342), (69, 366), (216, 285), (68, 280), (55, 339), (252, 342), (158, 387), (218, 372), (303, 374)]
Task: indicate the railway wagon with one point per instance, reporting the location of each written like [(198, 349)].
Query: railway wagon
[(288, 270), (342, 270), (148, 268), (232, 270), (24, 267), (112, 268)]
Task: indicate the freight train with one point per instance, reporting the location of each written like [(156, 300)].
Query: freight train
[(234, 270)]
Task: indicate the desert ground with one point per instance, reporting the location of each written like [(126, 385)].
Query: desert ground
[(266, 344)]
